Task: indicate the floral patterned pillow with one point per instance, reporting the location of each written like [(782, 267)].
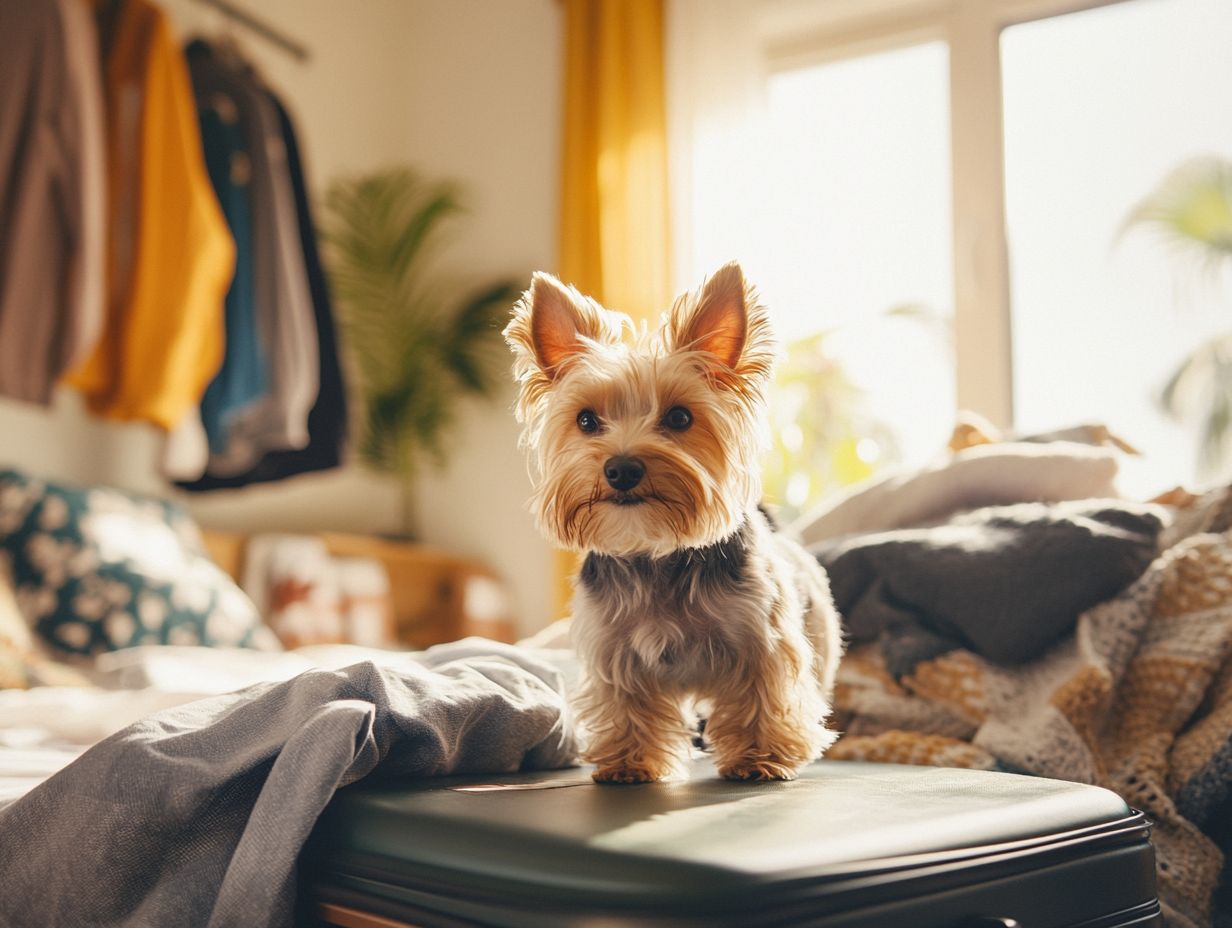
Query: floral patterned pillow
[(97, 569), (22, 662)]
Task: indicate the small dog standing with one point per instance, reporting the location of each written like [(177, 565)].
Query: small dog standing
[(647, 462)]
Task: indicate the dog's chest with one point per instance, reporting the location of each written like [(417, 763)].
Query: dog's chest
[(684, 616), (681, 649)]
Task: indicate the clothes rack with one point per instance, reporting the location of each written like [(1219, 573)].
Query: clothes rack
[(293, 48)]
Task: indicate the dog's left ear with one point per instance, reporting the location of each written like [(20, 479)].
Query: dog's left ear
[(725, 320), (718, 321)]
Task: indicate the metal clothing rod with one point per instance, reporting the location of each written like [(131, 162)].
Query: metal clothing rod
[(263, 29)]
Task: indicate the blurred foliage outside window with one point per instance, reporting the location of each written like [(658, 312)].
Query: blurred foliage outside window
[(828, 430), (1191, 212)]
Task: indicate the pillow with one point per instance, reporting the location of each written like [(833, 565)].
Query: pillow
[(310, 597), (365, 600), (97, 569), (978, 476), (22, 665), (291, 580), (15, 643)]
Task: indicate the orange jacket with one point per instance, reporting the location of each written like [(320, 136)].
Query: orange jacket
[(170, 256)]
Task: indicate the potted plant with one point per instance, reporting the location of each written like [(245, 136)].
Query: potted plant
[(417, 342)]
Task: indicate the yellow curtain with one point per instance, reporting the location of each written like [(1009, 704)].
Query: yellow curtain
[(614, 224)]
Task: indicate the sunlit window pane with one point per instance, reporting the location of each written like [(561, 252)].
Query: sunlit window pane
[(857, 245), (1099, 107)]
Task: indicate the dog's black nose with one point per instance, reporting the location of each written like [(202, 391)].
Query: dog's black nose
[(623, 473)]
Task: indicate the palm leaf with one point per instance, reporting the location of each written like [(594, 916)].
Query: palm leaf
[(474, 335), (435, 204), (1200, 391), (1191, 211), (414, 352)]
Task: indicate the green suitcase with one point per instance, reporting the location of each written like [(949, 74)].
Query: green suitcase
[(846, 845)]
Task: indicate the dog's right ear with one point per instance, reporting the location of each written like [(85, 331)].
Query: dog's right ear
[(552, 324)]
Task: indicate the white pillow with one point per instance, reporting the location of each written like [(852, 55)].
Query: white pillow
[(985, 475)]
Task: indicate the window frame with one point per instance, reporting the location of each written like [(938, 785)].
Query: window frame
[(798, 33)]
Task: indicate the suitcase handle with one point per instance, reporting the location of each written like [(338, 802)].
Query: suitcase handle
[(991, 921)]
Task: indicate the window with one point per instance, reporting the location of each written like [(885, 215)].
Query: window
[(860, 200), (1099, 107), (974, 161)]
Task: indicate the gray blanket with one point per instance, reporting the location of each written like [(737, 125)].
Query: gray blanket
[(1005, 582), (196, 815)]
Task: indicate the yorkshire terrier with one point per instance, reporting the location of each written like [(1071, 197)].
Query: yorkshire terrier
[(688, 599)]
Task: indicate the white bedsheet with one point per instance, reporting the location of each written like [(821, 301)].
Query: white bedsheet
[(45, 728)]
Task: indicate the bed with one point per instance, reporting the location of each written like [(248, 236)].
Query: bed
[(1133, 691)]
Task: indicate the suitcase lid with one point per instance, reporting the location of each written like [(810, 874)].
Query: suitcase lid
[(555, 838)]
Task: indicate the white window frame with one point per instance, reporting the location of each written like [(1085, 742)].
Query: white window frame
[(798, 33)]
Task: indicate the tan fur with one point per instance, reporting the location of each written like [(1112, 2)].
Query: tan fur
[(760, 649)]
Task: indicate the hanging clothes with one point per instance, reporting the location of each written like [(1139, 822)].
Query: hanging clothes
[(170, 256), (52, 194), (278, 420), (242, 379), (327, 422)]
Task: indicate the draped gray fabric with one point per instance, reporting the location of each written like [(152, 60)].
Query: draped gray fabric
[(196, 815)]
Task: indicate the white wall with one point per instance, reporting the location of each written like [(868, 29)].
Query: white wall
[(467, 90)]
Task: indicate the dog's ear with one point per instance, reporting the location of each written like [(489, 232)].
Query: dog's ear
[(724, 319), (553, 323), (558, 322), (718, 321)]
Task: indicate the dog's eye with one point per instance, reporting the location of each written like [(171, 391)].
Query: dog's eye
[(677, 419), (587, 421)]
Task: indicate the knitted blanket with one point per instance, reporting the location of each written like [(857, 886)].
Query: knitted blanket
[(1137, 699)]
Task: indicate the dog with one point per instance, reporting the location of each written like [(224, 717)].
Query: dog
[(645, 448)]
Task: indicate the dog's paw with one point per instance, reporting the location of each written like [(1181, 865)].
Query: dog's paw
[(761, 768), (628, 773)]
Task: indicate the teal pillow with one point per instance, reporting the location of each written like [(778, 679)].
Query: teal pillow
[(97, 569)]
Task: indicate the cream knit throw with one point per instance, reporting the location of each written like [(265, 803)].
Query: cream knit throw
[(1138, 700)]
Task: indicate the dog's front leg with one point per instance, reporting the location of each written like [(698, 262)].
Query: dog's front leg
[(633, 737), (769, 721)]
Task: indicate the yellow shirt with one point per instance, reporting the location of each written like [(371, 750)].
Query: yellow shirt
[(170, 256)]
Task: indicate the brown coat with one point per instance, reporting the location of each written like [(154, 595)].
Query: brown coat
[(51, 194)]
